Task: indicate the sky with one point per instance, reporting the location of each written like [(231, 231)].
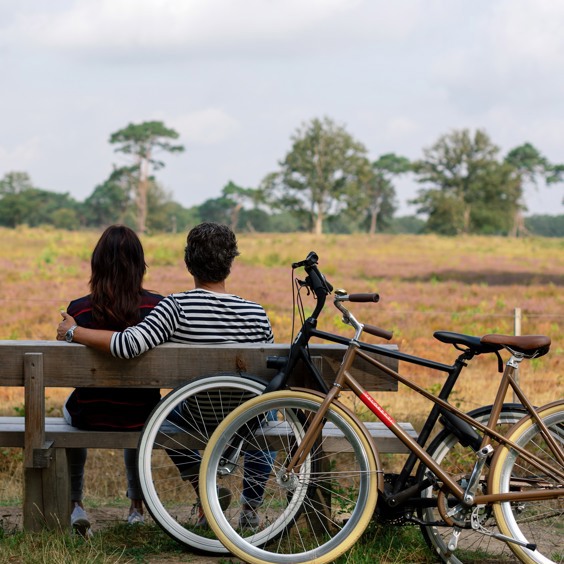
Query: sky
[(238, 78)]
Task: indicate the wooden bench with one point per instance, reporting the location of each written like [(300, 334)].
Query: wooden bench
[(37, 365)]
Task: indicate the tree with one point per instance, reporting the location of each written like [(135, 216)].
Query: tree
[(229, 208), (317, 173), (15, 183), (377, 190), (21, 202), (110, 200), (530, 166), (470, 190), (142, 141)]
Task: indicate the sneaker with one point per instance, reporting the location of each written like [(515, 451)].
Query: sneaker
[(80, 523), (135, 518), (248, 519), (224, 496)]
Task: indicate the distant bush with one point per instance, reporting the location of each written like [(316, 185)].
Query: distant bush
[(545, 225)]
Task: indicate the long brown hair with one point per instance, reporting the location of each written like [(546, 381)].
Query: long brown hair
[(118, 267)]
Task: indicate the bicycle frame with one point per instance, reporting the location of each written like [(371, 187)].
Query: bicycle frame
[(299, 351), (345, 379)]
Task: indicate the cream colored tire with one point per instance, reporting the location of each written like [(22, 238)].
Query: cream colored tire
[(537, 522), (285, 534)]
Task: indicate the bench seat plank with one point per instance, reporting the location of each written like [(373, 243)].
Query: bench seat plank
[(64, 435)]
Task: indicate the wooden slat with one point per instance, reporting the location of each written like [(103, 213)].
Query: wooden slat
[(65, 436), (167, 366)]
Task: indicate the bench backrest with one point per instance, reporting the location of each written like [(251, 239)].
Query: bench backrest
[(169, 365)]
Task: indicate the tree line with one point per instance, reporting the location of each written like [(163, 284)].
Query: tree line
[(326, 182)]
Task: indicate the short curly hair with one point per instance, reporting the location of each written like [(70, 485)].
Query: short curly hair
[(210, 251)]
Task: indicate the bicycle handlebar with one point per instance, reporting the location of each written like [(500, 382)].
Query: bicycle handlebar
[(378, 332), (319, 285), (364, 297)]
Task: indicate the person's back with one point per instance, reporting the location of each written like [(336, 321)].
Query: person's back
[(207, 314), (116, 301)]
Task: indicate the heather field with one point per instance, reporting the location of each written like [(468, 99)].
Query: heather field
[(427, 283)]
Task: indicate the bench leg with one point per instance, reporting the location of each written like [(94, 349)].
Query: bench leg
[(47, 495)]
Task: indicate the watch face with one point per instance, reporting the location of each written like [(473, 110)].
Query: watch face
[(69, 335)]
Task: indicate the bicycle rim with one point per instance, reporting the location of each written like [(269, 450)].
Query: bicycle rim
[(337, 502), (180, 424), (537, 522)]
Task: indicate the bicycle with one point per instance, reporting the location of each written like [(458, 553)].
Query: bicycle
[(167, 460), (514, 481)]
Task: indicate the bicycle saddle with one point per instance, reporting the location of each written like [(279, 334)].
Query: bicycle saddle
[(531, 346), (459, 340)]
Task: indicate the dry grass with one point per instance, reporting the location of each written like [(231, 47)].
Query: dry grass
[(427, 283)]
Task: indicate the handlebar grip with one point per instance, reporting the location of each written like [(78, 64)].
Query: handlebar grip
[(377, 332), (364, 297)]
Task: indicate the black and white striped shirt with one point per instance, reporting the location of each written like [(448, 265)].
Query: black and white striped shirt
[(195, 317)]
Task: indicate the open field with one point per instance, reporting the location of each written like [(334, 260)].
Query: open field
[(426, 283)]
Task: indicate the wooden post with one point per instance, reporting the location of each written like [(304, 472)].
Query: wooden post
[(34, 438), (517, 332)]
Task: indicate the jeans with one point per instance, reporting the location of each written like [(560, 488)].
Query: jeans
[(256, 469)]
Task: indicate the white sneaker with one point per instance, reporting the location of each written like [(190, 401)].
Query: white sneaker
[(135, 518), (80, 523)]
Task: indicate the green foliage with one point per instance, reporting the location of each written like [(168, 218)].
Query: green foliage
[(110, 200), (376, 197), (323, 165), (326, 182), (21, 203), (142, 141), (545, 225), (406, 224), (469, 189)]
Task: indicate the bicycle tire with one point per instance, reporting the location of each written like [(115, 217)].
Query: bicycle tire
[(349, 479), (170, 499), (537, 522), (447, 451)]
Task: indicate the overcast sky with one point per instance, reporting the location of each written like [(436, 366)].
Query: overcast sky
[(236, 78)]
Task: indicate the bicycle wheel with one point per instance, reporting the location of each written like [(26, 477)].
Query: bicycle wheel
[(168, 453), (459, 461), (538, 522), (346, 487)]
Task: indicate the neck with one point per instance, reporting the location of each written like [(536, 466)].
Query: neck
[(218, 287)]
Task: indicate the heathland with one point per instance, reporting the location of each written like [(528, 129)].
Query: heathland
[(426, 283)]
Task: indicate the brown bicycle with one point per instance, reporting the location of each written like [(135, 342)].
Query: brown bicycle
[(480, 478)]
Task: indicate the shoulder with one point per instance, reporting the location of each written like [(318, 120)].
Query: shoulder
[(150, 298), (80, 306)]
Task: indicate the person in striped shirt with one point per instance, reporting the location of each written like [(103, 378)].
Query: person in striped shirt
[(206, 314)]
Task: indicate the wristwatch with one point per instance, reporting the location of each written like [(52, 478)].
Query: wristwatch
[(70, 334)]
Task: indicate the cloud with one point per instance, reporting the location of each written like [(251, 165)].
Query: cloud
[(514, 46), (20, 157), (205, 127), (134, 28), (527, 34)]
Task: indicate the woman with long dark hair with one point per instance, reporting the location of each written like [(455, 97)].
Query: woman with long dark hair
[(117, 300)]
